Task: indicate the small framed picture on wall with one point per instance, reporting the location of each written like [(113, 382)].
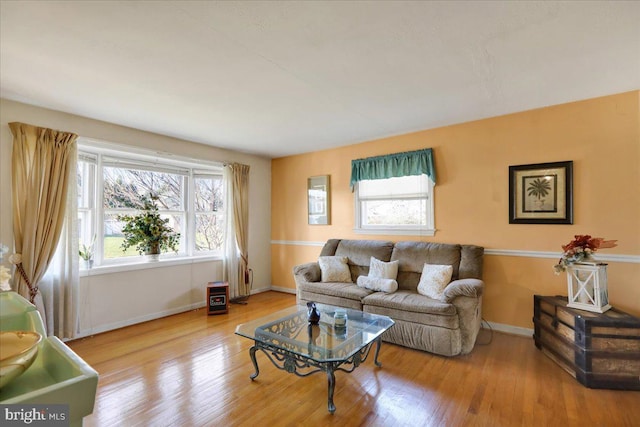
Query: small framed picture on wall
[(541, 193)]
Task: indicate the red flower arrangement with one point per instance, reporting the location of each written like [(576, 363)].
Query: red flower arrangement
[(580, 249)]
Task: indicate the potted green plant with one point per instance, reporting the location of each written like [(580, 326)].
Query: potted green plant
[(147, 231), (86, 253)]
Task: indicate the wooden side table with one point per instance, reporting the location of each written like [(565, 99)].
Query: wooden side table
[(217, 297)]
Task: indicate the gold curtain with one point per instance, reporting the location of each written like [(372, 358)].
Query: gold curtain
[(42, 162), (240, 194)]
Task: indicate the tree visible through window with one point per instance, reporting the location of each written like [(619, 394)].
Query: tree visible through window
[(191, 199), (123, 188), (209, 208)]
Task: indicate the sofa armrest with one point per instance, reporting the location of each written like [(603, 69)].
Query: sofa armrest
[(309, 272), (463, 287)]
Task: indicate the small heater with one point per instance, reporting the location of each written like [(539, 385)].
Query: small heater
[(217, 297)]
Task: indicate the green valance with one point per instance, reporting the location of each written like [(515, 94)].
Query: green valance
[(394, 165)]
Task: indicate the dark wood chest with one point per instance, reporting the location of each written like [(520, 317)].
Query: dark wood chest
[(599, 350)]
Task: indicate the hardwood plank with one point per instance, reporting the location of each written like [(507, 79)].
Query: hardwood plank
[(190, 369)]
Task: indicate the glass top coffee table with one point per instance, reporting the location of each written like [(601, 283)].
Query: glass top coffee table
[(298, 347)]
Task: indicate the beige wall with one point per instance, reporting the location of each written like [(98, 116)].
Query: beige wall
[(114, 299), (601, 136)]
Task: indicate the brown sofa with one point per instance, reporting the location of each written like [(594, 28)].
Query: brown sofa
[(447, 326)]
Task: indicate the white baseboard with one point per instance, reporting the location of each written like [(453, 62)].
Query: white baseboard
[(285, 290), (514, 330), (140, 319), (154, 316)]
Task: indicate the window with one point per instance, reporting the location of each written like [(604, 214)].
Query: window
[(123, 184), (394, 193), (111, 183), (398, 205), (86, 198), (209, 218)]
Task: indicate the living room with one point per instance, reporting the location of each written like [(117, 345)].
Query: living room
[(599, 132)]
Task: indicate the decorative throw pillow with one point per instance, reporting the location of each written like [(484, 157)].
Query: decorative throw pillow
[(383, 270), (334, 269), (377, 284), (434, 279)]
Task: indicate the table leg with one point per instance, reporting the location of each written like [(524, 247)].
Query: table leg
[(375, 359), (332, 384), (252, 353)]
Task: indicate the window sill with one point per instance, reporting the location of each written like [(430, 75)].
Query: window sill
[(144, 265), (395, 231)]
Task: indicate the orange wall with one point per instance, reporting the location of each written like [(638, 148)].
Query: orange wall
[(601, 136)]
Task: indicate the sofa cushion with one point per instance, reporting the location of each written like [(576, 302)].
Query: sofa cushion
[(412, 307), (471, 262), (309, 272), (383, 270), (434, 279), (329, 248), (361, 251), (414, 255), (330, 300), (334, 269), (377, 284), (336, 289)]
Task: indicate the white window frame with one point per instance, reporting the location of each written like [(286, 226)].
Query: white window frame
[(89, 186), (122, 163), (108, 154), (199, 173), (406, 230)]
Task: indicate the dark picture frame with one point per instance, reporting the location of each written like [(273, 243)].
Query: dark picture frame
[(541, 193), (319, 200)]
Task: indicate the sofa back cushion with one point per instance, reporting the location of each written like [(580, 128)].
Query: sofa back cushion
[(329, 248), (360, 252), (471, 262), (414, 255)]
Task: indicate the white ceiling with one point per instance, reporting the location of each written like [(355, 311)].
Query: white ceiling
[(281, 78)]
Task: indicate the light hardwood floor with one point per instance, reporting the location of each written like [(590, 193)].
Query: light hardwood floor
[(192, 370)]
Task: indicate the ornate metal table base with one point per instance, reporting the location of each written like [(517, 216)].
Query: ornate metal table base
[(304, 366)]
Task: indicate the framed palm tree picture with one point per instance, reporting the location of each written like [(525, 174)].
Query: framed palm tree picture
[(541, 193)]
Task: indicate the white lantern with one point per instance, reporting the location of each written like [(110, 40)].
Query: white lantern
[(588, 287)]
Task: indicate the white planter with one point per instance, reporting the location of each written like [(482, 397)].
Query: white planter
[(587, 287), (153, 257)]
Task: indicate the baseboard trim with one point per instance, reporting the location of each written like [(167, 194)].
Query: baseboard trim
[(152, 316), (140, 319), (513, 330), (259, 291), (284, 290)]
